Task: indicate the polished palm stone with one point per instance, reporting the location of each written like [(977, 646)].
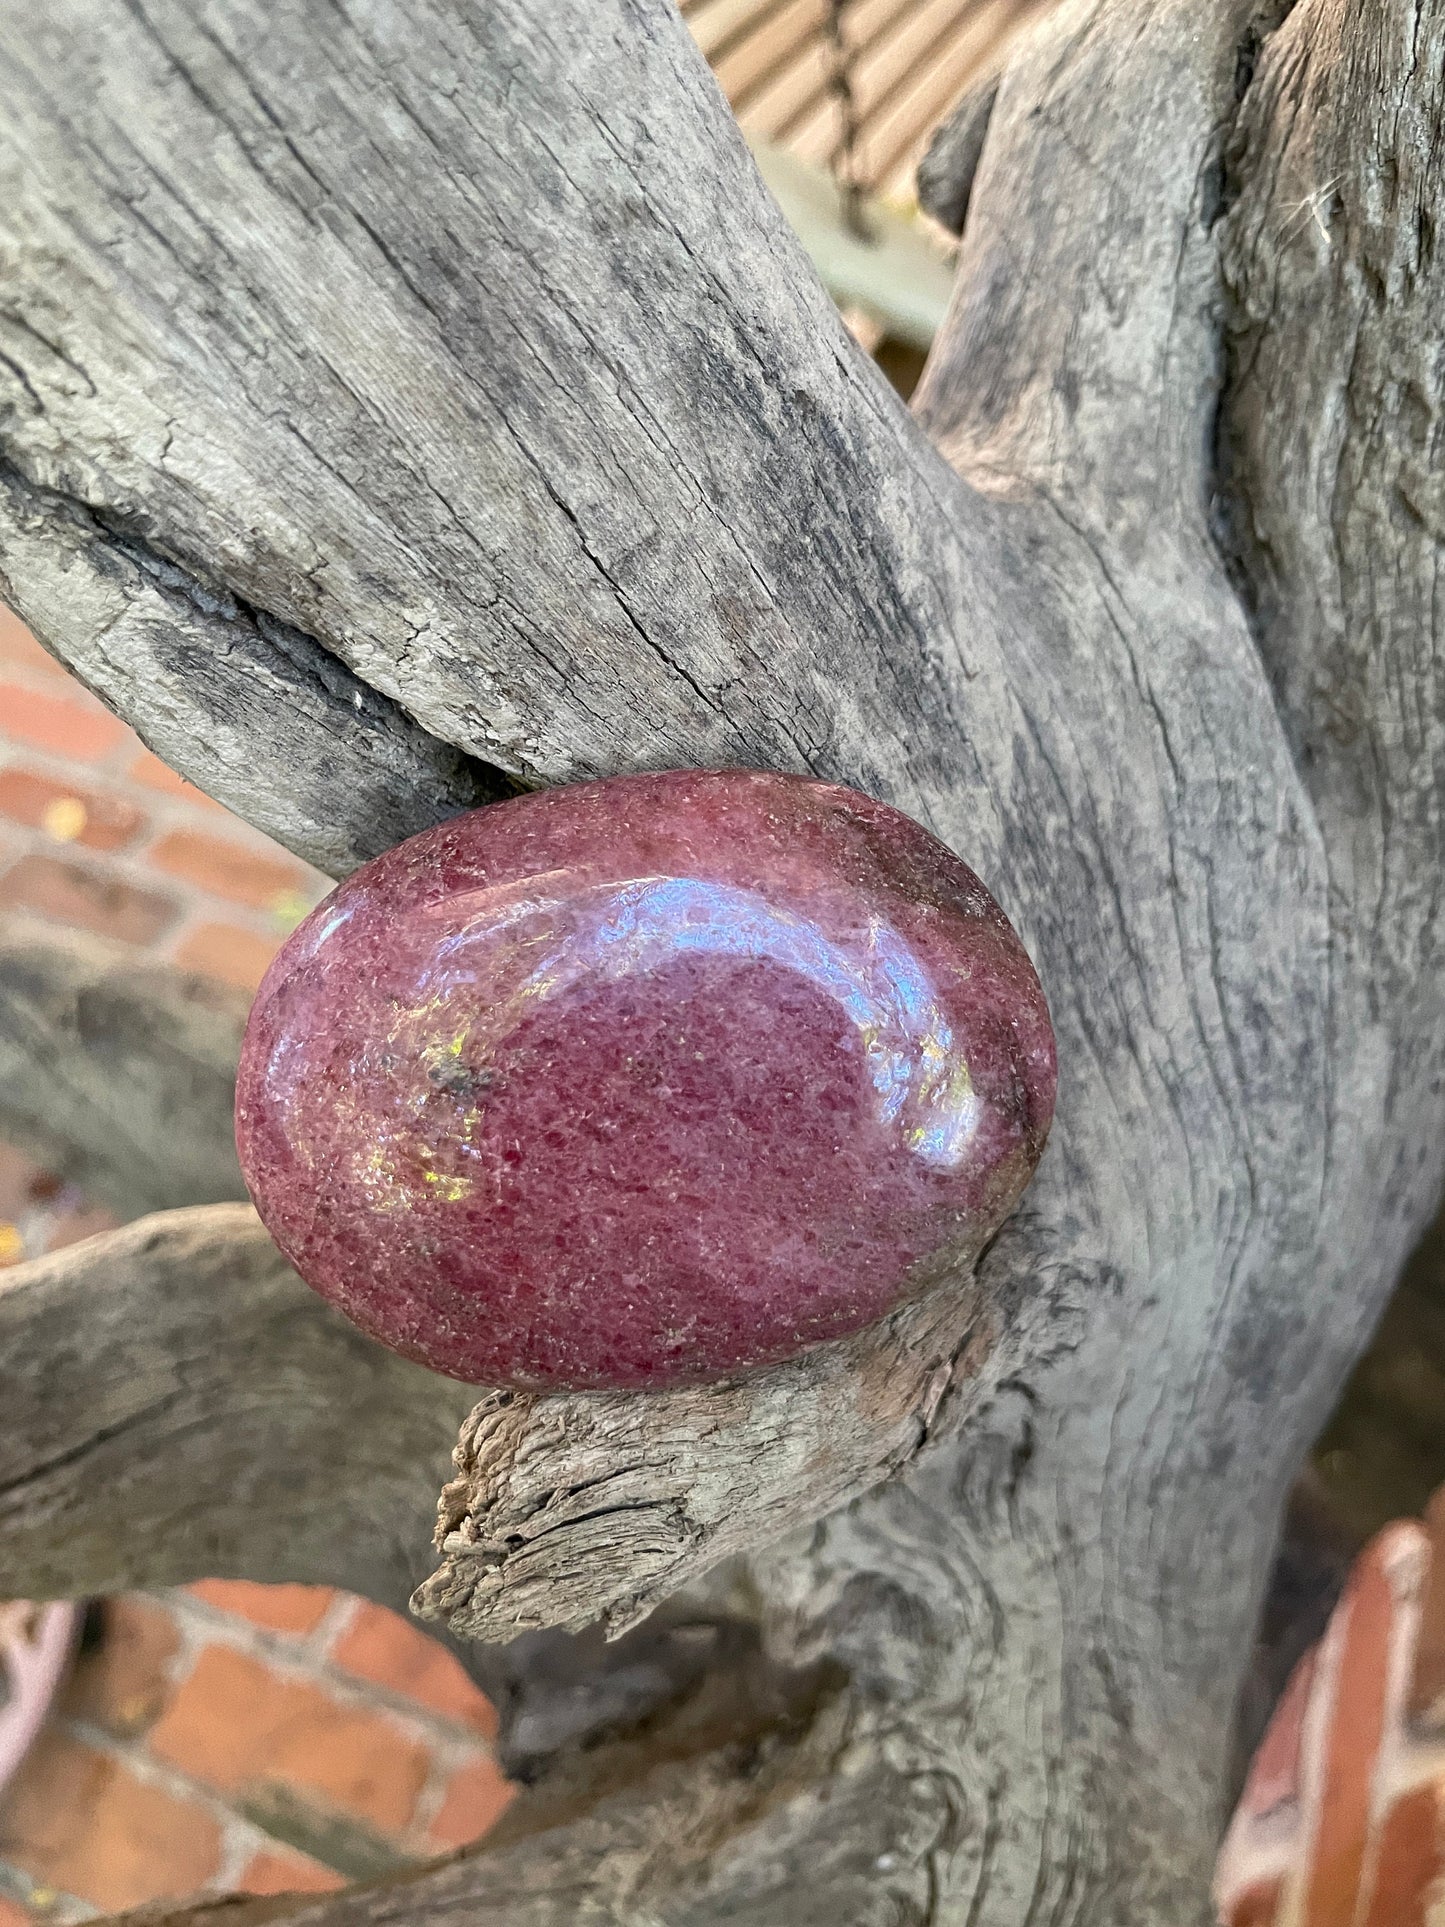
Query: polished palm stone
[(643, 1081)]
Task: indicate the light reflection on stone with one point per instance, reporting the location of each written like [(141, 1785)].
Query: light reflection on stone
[(614, 930)]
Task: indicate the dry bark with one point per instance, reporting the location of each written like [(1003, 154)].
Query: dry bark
[(120, 1074), (359, 774), (177, 1403), (580, 1509), (465, 343)]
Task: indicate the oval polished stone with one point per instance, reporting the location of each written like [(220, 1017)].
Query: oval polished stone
[(644, 1080)]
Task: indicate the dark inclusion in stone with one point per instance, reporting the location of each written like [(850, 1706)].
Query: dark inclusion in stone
[(643, 1081)]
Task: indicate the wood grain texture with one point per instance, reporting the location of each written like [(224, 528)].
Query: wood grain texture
[(118, 1072), (177, 1405), (542, 486), (521, 404), (588, 1508), (357, 774)]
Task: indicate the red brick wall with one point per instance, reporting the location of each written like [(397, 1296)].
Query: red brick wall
[(226, 1736), (95, 831), (237, 1737)]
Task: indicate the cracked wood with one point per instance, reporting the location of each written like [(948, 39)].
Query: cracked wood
[(522, 405)]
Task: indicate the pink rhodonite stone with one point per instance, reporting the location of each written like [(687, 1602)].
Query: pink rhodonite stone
[(643, 1081)]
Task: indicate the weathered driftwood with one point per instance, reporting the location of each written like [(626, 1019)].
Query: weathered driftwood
[(176, 1402), (120, 1073), (360, 774), (465, 343), (583, 1509), (187, 1404)]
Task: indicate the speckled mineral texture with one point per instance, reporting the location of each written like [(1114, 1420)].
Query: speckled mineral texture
[(644, 1080)]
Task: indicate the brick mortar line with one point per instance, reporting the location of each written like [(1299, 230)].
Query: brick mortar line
[(109, 773), (134, 1755), (112, 762), (241, 1839), (132, 864), (189, 916), (195, 904), (17, 1885), (64, 687), (430, 1800), (442, 1767), (237, 1851), (168, 811), (59, 683), (166, 816), (141, 844), (448, 1745), (339, 1616), (194, 917), (203, 1625)]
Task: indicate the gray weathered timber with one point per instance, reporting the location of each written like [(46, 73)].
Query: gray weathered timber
[(119, 1073), (356, 775), (177, 1403), (465, 342), (406, 325), (190, 1406), (578, 1509)]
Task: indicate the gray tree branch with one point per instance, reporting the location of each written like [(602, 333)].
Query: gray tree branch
[(430, 346), (578, 1509), (177, 1402), (120, 1073), (177, 1405), (357, 774)]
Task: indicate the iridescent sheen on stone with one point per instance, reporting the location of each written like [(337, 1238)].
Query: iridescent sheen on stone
[(643, 1081)]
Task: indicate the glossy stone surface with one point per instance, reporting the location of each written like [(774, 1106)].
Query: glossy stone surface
[(643, 1081)]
